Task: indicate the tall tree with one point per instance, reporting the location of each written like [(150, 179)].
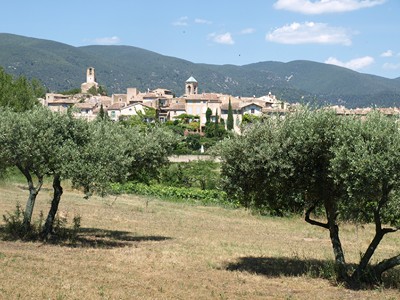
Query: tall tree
[(209, 128), (229, 121), (314, 160), (208, 115), (70, 137), (18, 94), (102, 115), (367, 163), (25, 142)]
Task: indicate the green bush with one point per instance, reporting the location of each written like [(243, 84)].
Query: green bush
[(14, 228), (190, 195)]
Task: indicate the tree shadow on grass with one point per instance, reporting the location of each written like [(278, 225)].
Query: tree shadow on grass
[(88, 238), (282, 266), (294, 267), (103, 238)]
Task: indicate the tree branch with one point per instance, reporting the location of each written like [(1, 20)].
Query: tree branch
[(313, 222), (387, 264)]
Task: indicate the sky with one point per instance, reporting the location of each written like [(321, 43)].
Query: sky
[(362, 35)]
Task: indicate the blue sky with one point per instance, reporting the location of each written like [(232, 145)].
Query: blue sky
[(363, 35)]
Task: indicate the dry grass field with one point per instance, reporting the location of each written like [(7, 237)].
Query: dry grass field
[(138, 248)]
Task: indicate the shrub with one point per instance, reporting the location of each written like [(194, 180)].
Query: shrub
[(190, 195)]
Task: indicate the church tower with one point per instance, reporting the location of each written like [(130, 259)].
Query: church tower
[(191, 86), (90, 80), (90, 75)]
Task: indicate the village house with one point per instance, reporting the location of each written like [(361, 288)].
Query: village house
[(117, 111), (59, 102)]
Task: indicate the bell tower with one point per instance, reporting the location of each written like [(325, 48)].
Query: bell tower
[(90, 80), (90, 75), (191, 86)]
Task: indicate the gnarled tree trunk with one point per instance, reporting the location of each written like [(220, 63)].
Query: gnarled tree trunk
[(33, 192), (57, 192)]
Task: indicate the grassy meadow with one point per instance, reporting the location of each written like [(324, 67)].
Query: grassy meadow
[(142, 248)]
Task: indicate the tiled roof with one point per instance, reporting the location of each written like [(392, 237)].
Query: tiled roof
[(62, 101), (175, 106), (235, 105), (251, 103), (85, 105), (204, 96), (116, 106)]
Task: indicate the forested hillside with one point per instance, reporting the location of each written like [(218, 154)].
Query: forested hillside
[(61, 67)]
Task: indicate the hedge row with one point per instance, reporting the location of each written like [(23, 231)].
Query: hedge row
[(205, 197)]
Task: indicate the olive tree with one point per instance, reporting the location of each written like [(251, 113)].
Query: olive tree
[(148, 151), (366, 162), (102, 160), (40, 144), (344, 168), (69, 137), (24, 142)]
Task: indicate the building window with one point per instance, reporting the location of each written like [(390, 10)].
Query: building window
[(252, 110)]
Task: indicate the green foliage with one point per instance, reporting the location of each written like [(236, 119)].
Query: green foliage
[(229, 121), (102, 90), (14, 223), (187, 118), (340, 167), (366, 163), (102, 159), (191, 195), (18, 94), (193, 141), (38, 89), (250, 119), (102, 115), (143, 120), (73, 91), (208, 115), (148, 151), (217, 129), (200, 174), (93, 91), (14, 228)]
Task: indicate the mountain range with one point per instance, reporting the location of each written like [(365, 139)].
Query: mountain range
[(63, 67)]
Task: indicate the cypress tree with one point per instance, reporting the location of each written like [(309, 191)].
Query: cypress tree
[(208, 116), (216, 124), (102, 112), (229, 121)]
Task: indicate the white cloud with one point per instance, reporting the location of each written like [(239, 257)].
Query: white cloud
[(325, 6), (202, 21), (309, 33), (225, 38), (247, 31), (389, 66), (107, 40), (388, 53), (182, 21), (354, 64)]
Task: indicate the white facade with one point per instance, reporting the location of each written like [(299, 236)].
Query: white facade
[(115, 112)]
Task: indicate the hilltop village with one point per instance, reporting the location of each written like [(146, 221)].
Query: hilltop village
[(168, 106)]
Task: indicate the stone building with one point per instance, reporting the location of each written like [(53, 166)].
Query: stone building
[(90, 80)]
